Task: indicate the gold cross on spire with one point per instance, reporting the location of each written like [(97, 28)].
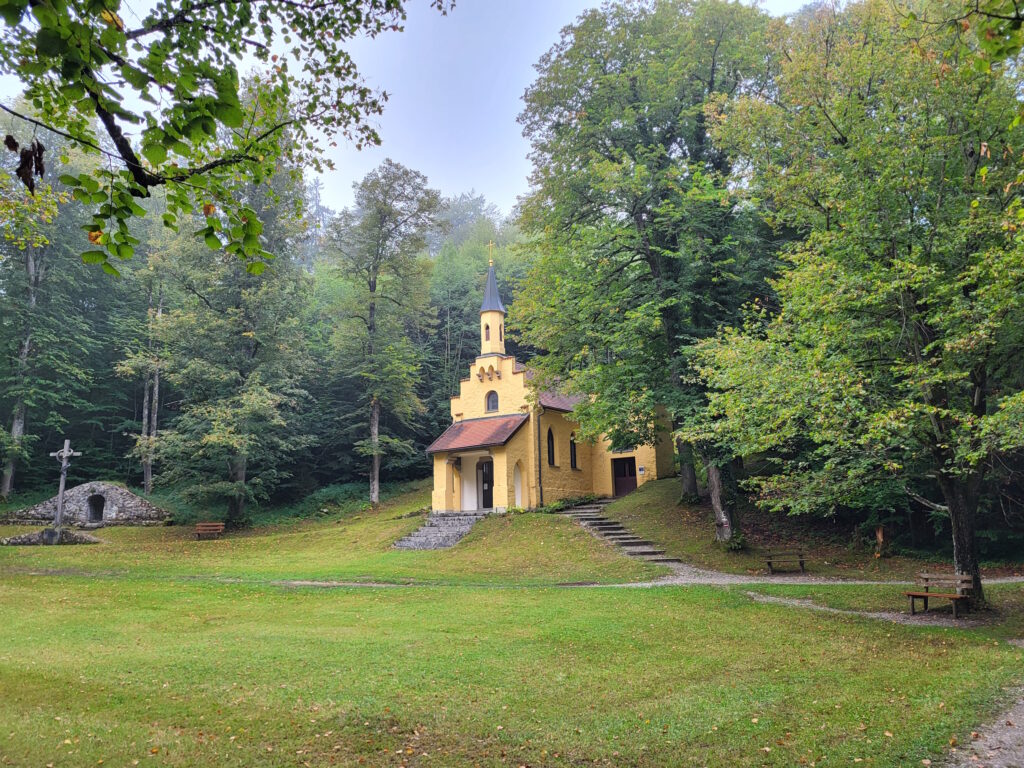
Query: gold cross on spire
[(490, 254)]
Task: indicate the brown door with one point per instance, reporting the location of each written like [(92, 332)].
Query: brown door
[(487, 478), (624, 475)]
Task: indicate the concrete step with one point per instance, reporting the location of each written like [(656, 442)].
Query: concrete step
[(643, 552), (662, 559), (440, 531), (632, 542)]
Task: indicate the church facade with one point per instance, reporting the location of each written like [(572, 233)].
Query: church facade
[(501, 451)]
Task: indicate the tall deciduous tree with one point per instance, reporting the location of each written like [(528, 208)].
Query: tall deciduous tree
[(891, 373), (378, 246), (642, 248)]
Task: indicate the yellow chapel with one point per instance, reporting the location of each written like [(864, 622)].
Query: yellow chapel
[(501, 451)]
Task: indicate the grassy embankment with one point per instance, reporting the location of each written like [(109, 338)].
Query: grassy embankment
[(686, 531)]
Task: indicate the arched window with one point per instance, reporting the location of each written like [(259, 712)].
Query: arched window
[(551, 448), (501, 332), (491, 401), (572, 451), (487, 333)]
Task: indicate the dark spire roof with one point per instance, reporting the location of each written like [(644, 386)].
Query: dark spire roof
[(492, 299)]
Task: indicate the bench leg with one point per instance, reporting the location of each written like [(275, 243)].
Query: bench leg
[(925, 600), (770, 571), (913, 605), (802, 569), (954, 608)]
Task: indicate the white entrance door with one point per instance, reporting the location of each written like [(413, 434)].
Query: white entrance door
[(469, 487)]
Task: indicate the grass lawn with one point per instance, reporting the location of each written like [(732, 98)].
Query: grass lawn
[(518, 549), (155, 650), (688, 532), (183, 673)]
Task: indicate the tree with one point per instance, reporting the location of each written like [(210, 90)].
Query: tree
[(236, 354), (43, 346), (145, 361), (642, 248), (85, 63), (378, 245), (890, 374)]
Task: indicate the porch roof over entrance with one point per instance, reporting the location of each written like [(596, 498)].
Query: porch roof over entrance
[(478, 433)]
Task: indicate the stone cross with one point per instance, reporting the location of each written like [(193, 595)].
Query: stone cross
[(490, 252), (63, 456)]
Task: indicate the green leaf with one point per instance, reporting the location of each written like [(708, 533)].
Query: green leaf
[(50, 43), (229, 114), (94, 257), (110, 269), (255, 267), (155, 153), (212, 241)]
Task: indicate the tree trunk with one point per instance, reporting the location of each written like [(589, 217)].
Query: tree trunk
[(149, 426), (147, 463), (962, 498), (687, 473), (17, 433), (34, 272), (236, 502), (147, 471), (723, 514), (375, 447)]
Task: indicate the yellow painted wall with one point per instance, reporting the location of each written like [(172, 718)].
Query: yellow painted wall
[(517, 449), (562, 481), (490, 372), (494, 320)]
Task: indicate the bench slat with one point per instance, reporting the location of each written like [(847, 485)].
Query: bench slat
[(937, 594)]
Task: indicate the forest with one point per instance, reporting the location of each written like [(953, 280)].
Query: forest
[(798, 236)]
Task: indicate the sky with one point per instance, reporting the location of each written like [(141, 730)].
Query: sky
[(455, 85)]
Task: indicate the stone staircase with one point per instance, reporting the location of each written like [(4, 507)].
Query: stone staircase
[(591, 516), (442, 530)]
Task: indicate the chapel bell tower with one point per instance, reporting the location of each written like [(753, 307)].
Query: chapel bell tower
[(492, 318)]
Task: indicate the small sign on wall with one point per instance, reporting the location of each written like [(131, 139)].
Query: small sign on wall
[(640, 471)]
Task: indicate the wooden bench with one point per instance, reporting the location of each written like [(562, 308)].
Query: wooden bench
[(209, 530), (957, 588), (792, 556)]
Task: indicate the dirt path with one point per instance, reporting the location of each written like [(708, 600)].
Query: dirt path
[(896, 617), (999, 744), (690, 575)]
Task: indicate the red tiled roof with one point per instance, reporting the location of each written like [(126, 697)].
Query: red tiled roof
[(478, 433), (559, 402), (555, 400)]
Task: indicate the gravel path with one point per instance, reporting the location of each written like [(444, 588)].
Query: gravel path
[(999, 744), (690, 575), (896, 617)]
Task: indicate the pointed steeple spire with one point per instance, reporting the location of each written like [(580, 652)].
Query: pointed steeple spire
[(492, 299)]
